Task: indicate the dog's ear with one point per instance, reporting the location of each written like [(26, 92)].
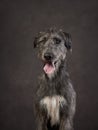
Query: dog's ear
[(68, 40), (35, 42)]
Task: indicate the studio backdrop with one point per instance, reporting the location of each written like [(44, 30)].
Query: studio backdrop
[(20, 21)]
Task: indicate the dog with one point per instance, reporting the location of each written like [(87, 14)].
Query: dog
[(55, 98)]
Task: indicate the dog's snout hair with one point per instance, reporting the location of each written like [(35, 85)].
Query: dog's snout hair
[(55, 97)]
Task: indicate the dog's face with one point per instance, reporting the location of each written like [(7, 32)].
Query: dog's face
[(52, 48)]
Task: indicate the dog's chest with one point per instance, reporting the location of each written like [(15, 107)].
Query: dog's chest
[(53, 104)]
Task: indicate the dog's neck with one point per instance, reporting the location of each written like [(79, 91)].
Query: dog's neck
[(55, 85)]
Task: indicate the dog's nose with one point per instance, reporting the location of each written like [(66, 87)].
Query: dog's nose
[(48, 56)]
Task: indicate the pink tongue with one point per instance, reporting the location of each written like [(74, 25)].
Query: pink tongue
[(48, 68)]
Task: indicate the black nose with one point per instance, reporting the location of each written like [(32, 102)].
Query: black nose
[(48, 56)]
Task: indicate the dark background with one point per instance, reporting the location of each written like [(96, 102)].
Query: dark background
[(20, 20)]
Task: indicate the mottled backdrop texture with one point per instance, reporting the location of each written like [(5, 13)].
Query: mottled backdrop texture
[(20, 21)]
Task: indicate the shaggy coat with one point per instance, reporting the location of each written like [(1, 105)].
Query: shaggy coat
[(55, 100)]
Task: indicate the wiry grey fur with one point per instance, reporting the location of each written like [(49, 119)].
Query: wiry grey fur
[(55, 92)]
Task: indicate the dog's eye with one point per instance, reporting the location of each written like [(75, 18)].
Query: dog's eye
[(57, 40), (43, 40)]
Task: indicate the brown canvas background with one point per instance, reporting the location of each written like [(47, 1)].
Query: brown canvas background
[(19, 68)]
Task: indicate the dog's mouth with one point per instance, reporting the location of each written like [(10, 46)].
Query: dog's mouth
[(49, 67)]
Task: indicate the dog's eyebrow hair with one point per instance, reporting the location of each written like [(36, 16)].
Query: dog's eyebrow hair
[(56, 37)]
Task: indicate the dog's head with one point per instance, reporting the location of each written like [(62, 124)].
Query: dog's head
[(52, 48)]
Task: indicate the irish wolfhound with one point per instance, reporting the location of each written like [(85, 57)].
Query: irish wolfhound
[(55, 97)]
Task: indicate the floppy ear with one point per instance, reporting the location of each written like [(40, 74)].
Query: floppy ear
[(68, 40), (35, 42)]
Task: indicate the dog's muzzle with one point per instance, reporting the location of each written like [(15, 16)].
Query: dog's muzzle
[(49, 64)]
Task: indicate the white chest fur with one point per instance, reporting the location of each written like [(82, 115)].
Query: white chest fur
[(53, 105)]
